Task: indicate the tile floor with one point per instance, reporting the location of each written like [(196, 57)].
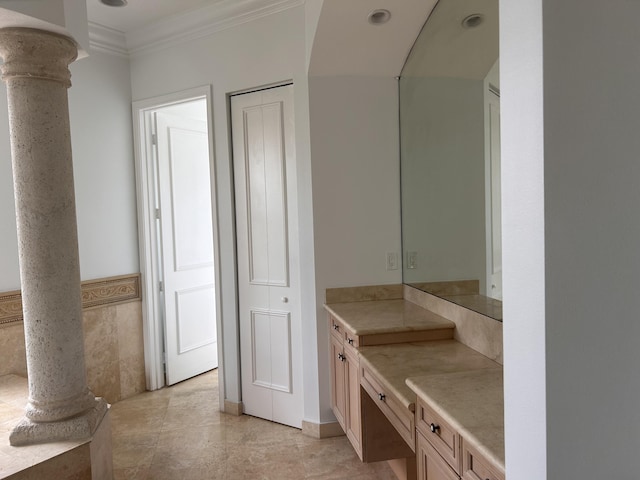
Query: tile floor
[(179, 433)]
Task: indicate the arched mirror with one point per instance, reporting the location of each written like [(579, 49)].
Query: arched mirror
[(450, 157)]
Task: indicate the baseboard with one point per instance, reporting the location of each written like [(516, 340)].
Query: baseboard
[(233, 408), (321, 430)]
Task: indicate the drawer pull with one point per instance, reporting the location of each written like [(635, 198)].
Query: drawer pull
[(434, 428), (350, 341), (382, 397), (341, 357)]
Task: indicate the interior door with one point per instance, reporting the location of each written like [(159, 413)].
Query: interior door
[(186, 233), (268, 264)]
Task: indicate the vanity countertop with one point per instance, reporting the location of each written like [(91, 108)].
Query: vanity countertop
[(386, 316), (393, 364), (472, 402)]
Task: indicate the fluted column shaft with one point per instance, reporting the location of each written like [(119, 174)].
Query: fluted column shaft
[(36, 73)]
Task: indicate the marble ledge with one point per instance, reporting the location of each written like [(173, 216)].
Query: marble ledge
[(363, 294), (472, 402), (393, 364), (13, 398), (386, 316)]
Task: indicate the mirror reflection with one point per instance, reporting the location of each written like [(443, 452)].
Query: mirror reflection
[(450, 157)]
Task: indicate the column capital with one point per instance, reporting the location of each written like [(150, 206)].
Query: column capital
[(36, 54)]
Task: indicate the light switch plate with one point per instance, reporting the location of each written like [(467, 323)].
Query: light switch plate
[(392, 261), (412, 260)]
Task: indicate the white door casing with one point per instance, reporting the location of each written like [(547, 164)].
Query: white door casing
[(494, 197), (184, 195), (268, 259)]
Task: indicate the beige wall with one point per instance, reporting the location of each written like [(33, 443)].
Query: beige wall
[(114, 352)]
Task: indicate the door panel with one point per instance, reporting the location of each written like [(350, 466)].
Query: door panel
[(268, 285), (266, 196), (184, 195), (271, 349), (194, 309)]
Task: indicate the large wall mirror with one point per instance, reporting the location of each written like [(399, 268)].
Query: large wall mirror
[(450, 157)]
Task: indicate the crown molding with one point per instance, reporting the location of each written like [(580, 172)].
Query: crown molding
[(202, 22), (107, 40)]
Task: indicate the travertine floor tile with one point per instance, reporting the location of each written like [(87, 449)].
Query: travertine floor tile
[(134, 449), (178, 433), (131, 473)]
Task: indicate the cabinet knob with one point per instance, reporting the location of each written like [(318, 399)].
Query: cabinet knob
[(350, 340), (285, 299), (336, 327), (434, 428), (341, 357), (382, 397)]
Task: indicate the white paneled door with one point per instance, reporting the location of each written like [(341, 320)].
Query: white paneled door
[(185, 230), (268, 263)]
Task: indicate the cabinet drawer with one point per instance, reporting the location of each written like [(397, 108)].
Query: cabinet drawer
[(336, 327), (476, 467), (399, 416), (351, 339), (442, 436)]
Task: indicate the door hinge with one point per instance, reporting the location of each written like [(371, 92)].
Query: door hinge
[(154, 139), (161, 286), (157, 214), (164, 357)]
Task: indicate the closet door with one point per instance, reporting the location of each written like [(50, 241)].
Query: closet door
[(267, 249)]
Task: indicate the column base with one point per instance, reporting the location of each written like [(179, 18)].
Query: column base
[(76, 428)]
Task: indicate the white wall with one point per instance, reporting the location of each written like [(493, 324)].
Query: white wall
[(100, 113), (102, 142), (261, 52), (356, 194), (571, 232), (523, 261)]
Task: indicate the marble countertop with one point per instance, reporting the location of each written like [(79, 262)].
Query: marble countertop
[(393, 364), (386, 316), (472, 402)]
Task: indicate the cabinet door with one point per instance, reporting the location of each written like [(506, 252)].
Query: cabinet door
[(338, 394), (352, 390), (431, 466), (476, 467)]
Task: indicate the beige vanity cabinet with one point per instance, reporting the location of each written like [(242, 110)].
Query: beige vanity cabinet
[(345, 382), (443, 454)]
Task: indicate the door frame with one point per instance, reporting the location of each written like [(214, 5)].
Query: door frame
[(152, 321)]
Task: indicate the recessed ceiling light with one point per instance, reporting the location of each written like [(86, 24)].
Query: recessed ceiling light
[(473, 20), (380, 16), (114, 3)]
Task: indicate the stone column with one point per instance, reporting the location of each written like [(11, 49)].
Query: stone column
[(37, 76)]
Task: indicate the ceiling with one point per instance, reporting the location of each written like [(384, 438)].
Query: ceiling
[(140, 13), (346, 43), (445, 48)]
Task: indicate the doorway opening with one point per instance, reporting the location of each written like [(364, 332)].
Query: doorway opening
[(178, 236)]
